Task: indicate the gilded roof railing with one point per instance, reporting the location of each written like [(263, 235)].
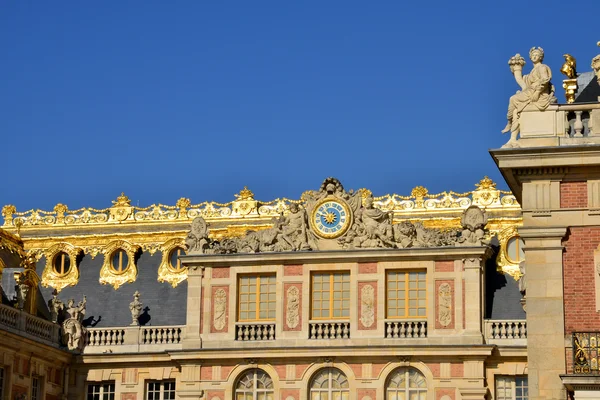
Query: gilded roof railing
[(420, 201)]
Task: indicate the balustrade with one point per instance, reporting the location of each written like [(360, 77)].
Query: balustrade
[(506, 329), (105, 337), (329, 330), (161, 335), (252, 332), (405, 329), (29, 325)]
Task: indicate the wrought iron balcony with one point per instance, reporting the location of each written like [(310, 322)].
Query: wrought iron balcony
[(586, 352)]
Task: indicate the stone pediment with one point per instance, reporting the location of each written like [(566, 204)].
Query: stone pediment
[(332, 218)]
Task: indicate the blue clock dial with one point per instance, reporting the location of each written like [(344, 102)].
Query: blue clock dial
[(330, 218)]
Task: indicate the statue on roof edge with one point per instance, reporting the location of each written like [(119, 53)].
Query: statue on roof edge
[(536, 89)]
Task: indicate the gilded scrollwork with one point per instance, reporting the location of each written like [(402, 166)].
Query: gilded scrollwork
[(65, 277), (166, 272), (503, 261), (109, 274)]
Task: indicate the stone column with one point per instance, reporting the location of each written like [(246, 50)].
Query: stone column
[(473, 276), (192, 338), (545, 314)]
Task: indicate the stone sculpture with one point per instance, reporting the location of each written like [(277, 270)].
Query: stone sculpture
[(293, 307), (445, 304), (22, 289), (136, 309), (197, 239), (596, 65), (523, 284), (473, 223), (536, 89), (368, 227), (220, 309), (73, 330), (56, 306), (367, 312)]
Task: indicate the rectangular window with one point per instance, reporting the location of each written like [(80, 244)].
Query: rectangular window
[(331, 295), (101, 391), (512, 388), (160, 390), (256, 298), (35, 388), (406, 294)]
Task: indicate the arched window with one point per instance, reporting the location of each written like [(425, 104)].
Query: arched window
[(406, 383), (329, 383), (254, 384)]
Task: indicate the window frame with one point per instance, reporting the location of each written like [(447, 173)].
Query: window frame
[(64, 255), (407, 389), (161, 389), (330, 390), (331, 290), (512, 381), (407, 298), (255, 390), (102, 393), (36, 385), (257, 301), (124, 268), (179, 266)]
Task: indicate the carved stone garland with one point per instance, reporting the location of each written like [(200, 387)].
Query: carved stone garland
[(367, 313), (445, 304), (220, 311), (293, 307)]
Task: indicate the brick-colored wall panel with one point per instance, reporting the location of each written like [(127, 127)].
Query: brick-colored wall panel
[(435, 369), (220, 272), (573, 195), (441, 392), (367, 268), (457, 370), (219, 394), (357, 369), (579, 280), (292, 270), (287, 393), (206, 373), (362, 393), (129, 396), (444, 266)]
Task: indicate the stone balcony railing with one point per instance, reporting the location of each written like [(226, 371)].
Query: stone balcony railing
[(329, 330), (254, 331), (405, 329), (560, 124), (148, 339), (27, 325), (506, 332)]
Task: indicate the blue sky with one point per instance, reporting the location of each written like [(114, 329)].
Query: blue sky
[(196, 99)]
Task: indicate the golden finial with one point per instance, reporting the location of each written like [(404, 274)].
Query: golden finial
[(183, 203), (60, 208), (419, 192), (569, 68), (486, 184), (122, 201), (8, 210), (245, 194), (364, 193)]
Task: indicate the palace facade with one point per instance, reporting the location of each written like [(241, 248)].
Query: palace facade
[(336, 295)]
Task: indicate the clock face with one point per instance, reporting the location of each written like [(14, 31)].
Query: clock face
[(330, 218)]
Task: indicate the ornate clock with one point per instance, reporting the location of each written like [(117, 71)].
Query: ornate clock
[(330, 218)]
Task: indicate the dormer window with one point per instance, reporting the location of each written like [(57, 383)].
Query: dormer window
[(61, 263), (119, 261)]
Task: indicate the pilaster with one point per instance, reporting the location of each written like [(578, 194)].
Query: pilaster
[(545, 311), (194, 313), (473, 291)]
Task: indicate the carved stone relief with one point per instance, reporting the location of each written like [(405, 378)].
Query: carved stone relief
[(445, 304), (293, 307), (367, 312), (332, 218), (220, 309)]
